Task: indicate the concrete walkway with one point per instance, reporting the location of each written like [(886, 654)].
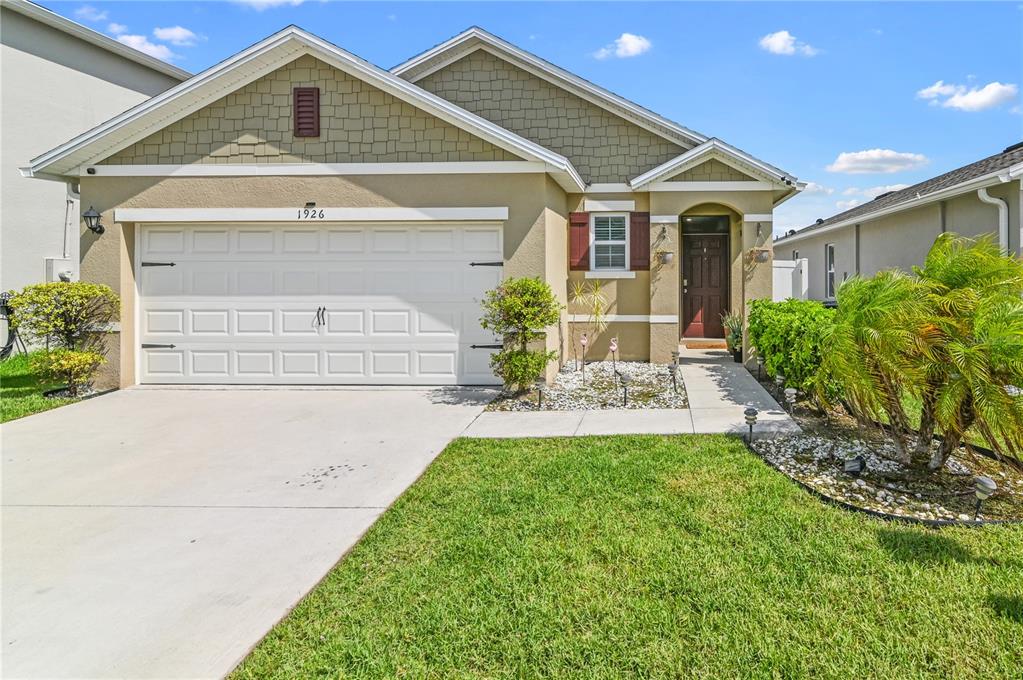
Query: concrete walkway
[(719, 390)]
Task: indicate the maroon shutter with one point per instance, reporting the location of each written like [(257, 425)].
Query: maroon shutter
[(579, 241), (639, 241), (307, 111)]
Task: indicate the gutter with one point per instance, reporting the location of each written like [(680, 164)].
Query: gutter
[(1003, 216), (998, 177)]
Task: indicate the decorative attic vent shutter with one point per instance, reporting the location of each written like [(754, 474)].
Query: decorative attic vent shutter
[(307, 111), (639, 241), (579, 241)]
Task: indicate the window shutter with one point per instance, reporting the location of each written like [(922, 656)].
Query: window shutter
[(578, 241), (639, 241), (307, 111)]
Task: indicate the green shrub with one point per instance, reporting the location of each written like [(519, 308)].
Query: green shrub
[(519, 310), (790, 336), (75, 368), (71, 315)]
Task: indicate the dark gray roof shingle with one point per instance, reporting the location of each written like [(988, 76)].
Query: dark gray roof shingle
[(1000, 161)]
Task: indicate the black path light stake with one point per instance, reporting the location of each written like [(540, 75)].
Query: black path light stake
[(751, 420), (983, 489), (540, 385), (760, 368), (855, 466), (626, 379), (790, 398), (674, 371), (779, 383)]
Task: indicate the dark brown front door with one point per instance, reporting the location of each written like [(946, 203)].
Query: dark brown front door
[(704, 285)]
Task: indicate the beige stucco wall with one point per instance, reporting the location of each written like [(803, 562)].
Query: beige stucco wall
[(711, 171), (902, 240), (602, 146), (359, 123), (108, 258), (55, 86)]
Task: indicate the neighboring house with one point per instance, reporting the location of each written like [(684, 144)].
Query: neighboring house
[(58, 79), (896, 229), (295, 214)]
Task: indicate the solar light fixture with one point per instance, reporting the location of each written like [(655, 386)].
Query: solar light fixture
[(751, 420), (626, 379), (779, 383), (983, 489), (790, 397), (855, 466), (541, 384), (760, 368), (92, 217)]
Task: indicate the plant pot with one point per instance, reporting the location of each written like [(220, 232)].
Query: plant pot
[(737, 354)]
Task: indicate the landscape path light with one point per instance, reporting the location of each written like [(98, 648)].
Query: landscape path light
[(855, 466), (790, 398), (626, 379), (541, 384), (779, 383), (983, 489), (751, 420)]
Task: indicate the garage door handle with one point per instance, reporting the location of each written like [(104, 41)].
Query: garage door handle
[(152, 345), (486, 264), (486, 346), (159, 264)]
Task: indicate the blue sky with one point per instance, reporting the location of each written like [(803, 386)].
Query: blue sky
[(856, 97)]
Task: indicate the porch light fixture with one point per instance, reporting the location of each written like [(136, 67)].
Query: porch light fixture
[(751, 420), (983, 489), (855, 466), (666, 256), (91, 217)]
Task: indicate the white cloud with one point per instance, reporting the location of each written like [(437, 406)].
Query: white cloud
[(90, 13), (814, 188), (783, 42), (260, 5), (626, 45), (876, 161), (845, 205), (176, 35), (965, 98), (870, 193), (116, 28), (142, 44)]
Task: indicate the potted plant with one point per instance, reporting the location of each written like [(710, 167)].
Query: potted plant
[(733, 334)]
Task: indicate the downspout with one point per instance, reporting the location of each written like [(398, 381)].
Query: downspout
[(1003, 216)]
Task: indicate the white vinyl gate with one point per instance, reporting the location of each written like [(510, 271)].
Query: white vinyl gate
[(379, 304)]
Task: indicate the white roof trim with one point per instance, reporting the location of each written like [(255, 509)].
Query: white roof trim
[(297, 214), (998, 177), (716, 148), (54, 20), (262, 58), (544, 69)]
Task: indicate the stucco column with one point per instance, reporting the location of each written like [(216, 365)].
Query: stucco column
[(758, 263), (664, 287)]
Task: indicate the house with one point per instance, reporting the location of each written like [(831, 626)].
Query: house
[(896, 229), (58, 79), (295, 214)]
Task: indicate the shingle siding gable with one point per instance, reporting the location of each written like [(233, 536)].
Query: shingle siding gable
[(602, 146), (359, 123)]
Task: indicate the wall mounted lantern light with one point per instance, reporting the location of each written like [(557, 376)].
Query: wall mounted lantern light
[(91, 217), (666, 256)]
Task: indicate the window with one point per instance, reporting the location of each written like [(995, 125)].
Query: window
[(609, 235), (829, 271)]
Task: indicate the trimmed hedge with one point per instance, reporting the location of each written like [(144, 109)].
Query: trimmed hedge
[(790, 336)]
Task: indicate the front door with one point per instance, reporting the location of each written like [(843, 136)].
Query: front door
[(704, 285)]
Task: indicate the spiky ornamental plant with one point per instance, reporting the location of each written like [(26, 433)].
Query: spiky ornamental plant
[(973, 373)]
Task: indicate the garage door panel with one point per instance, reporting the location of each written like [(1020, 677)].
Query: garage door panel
[(334, 304)]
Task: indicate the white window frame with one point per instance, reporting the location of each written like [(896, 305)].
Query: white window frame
[(830, 271), (593, 241)]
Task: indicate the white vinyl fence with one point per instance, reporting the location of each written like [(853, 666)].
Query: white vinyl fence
[(791, 279)]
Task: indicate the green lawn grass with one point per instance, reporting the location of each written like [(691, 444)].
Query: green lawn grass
[(648, 557), (21, 391)]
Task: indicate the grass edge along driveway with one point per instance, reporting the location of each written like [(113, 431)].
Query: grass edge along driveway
[(649, 556), (21, 391)]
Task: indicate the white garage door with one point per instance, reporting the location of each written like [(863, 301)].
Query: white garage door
[(331, 304)]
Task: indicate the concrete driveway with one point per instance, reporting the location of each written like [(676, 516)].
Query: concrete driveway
[(161, 533)]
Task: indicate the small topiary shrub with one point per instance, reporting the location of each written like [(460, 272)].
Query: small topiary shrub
[(65, 314), (519, 310), (790, 336), (75, 368)]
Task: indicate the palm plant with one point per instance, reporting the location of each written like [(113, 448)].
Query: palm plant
[(590, 297), (950, 336)]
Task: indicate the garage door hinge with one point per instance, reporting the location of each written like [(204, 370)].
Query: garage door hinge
[(155, 345), (486, 346), (159, 264), (486, 264)]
